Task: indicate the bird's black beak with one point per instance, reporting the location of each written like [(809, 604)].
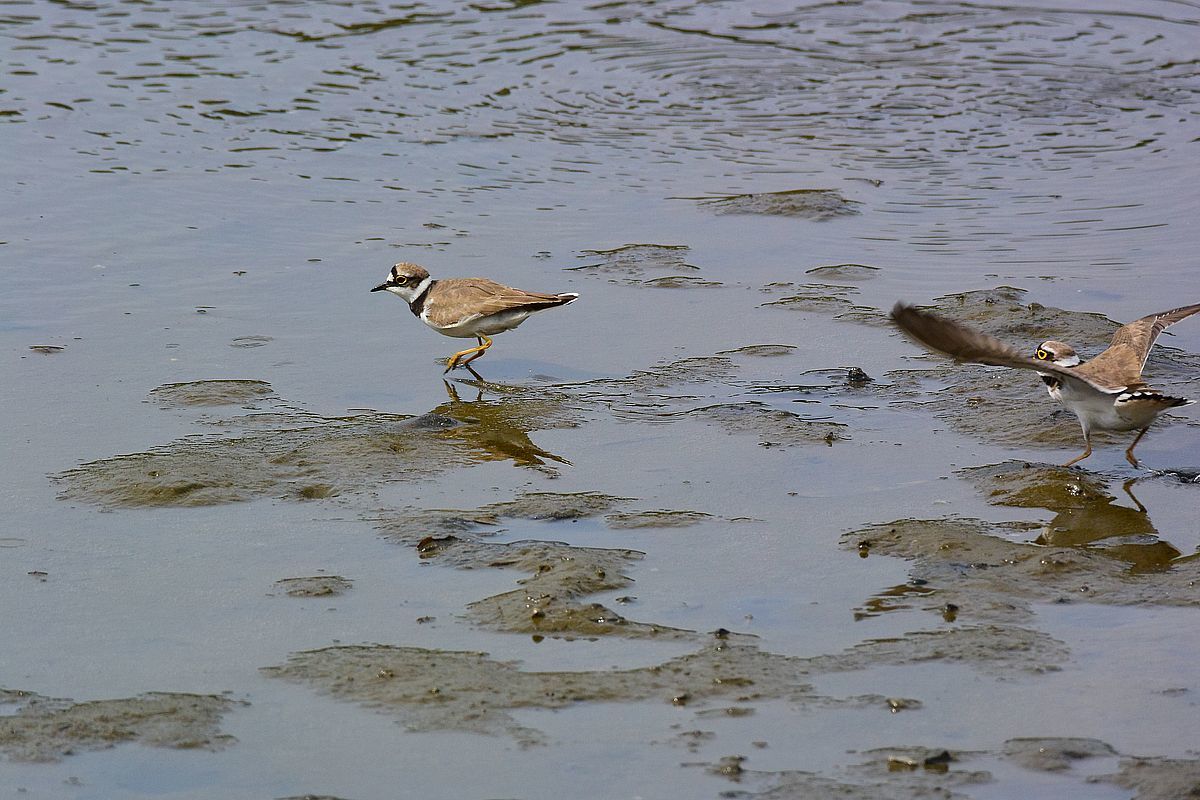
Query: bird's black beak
[(381, 287)]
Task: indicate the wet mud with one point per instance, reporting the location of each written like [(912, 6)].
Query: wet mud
[(1157, 778), (211, 393), (656, 266), (811, 204), (974, 570), (287, 453), (924, 773), (291, 454), (468, 691), (655, 519), (772, 427), (412, 525), (314, 586), (811, 297), (48, 729), (304, 462), (1055, 754), (845, 272), (980, 577), (550, 600)]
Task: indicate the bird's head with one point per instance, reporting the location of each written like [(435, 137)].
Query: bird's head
[(1057, 353), (406, 280)]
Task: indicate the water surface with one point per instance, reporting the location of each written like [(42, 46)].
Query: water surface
[(715, 527)]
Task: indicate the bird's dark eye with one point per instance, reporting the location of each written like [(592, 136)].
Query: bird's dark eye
[(400, 280), (1042, 354)]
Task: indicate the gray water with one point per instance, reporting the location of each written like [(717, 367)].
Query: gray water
[(201, 400)]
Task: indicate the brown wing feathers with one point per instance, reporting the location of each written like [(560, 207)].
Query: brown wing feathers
[(967, 344), (461, 298), (1141, 334), (956, 340)]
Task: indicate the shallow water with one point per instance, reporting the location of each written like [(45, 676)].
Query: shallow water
[(715, 526)]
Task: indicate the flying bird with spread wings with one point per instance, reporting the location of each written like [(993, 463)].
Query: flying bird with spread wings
[(1106, 393)]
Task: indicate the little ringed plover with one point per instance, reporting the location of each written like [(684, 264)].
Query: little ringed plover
[(466, 307), (1106, 393)]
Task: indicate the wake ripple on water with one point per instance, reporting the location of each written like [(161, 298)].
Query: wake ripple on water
[(873, 85)]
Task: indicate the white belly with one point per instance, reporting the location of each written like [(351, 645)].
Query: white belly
[(482, 326), (1097, 411)]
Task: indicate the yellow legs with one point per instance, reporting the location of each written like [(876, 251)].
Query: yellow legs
[(472, 353), (1082, 455), (1129, 453)]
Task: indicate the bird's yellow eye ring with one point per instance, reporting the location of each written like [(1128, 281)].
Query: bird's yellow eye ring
[(1042, 354)]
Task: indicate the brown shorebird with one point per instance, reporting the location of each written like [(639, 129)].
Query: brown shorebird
[(1106, 393), (466, 307)]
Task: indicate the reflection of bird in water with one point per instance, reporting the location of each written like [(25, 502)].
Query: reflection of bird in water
[(1097, 518), (1106, 393), (495, 430)]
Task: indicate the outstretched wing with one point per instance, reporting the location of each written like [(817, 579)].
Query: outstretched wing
[(1141, 334), (967, 344)]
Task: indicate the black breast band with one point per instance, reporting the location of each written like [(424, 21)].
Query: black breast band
[(418, 305)]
